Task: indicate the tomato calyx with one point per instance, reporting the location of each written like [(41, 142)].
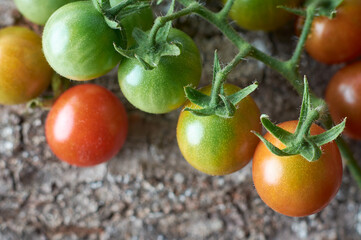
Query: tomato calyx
[(301, 142), (113, 16), (218, 103), (325, 8), (152, 46)]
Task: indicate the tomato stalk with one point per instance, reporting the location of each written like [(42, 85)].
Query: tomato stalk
[(161, 21), (220, 77)]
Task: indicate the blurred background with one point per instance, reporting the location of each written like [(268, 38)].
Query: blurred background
[(148, 191)]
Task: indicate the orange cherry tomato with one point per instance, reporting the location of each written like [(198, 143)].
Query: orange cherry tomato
[(292, 185)]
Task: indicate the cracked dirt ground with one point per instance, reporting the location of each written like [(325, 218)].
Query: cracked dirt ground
[(148, 191)]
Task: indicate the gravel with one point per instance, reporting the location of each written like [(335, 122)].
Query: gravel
[(148, 191)]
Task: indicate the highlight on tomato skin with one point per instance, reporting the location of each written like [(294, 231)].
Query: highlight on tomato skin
[(336, 40), (291, 185), (343, 96), (86, 126)]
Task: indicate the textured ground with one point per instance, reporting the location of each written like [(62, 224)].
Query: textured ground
[(148, 191)]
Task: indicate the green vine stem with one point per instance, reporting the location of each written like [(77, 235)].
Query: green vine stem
[(288, 69), (161, 21), (221, 75)]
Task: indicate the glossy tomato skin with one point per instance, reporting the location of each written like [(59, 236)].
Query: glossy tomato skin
[(142, 20), (260, 14), (78, 43), (292, 185), (343, 96), (337, 40), (216, 145), (86, 126), (24, 72), (39, 11), (161, 90)]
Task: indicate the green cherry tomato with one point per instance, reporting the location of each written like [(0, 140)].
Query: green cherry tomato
[(39, 11), (78, 43), (24, 72), (142, 20), (161, 90), (261, 14), (292, 185), (216, 145)]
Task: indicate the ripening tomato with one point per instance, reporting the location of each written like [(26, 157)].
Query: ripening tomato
[(161, 89), (78, 43), (337, 40), (24, 72), (343, 96), (261, 14), (86, 126), (39, 11), (292, 185), (216, 145)]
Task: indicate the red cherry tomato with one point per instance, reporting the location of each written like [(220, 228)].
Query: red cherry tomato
[(343, 96), (86, 126), (292, 185), (339, 39)]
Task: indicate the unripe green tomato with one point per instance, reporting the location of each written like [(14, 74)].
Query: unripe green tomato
[(24, 72), (161, 89), (39, 11), (216, 145), (78, 43), (261, 14)]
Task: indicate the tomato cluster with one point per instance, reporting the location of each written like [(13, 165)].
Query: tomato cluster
[(87, 124)]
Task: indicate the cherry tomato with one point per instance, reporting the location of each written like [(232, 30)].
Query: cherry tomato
[(78, 43), (337, 40), (292, 185), (343, 96), (161, 90), (39, 11), (261, 14), (216, 145), (24, 72), (86, 126)]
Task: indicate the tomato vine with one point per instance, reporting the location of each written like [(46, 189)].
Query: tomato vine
[(289, 69)]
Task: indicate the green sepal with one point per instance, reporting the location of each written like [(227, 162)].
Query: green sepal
[(227, 110), (202, 112), (281, 134), (329, 135), (241, 94), (218, 103), (325, 7), (147, 53), (296, 11), (197, 97), (114, 15), (301, 142), (275, 150)]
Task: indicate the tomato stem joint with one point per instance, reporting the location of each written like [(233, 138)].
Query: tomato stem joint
[(301, 142)]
